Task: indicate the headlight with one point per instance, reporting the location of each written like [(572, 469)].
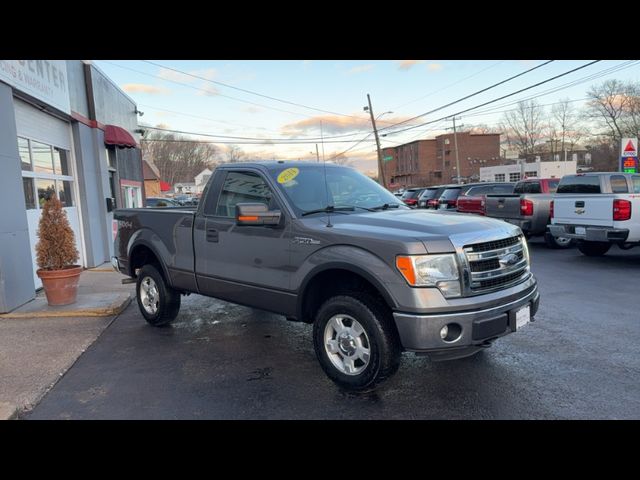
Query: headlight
[(431, 271)]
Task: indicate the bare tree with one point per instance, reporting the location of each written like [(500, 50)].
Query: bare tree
[(342, 159), (234, 154), (484, 128), (606, 108), (177, 158), (524, 126)]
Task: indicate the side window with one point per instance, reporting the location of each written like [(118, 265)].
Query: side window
[(534, 187), (636, 184), (520, 188), (243, 187), (619, 184)]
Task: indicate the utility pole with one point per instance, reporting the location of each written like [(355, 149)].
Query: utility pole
[(317, 154), (455, 141), (381, 179)]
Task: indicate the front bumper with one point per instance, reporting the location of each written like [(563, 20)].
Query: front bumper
[(421, 333), (591, 233)]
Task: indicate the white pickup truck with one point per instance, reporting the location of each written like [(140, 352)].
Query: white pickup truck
[(598, 210)]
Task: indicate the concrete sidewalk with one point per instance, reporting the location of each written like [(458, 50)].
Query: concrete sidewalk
[(39, 343)]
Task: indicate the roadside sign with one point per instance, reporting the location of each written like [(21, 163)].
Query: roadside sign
[(387, 158), (629, 165), (629, 147)]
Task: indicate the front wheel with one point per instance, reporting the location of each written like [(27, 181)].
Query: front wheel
[(594, 249), (557, 242), (355, 341), (158, 302)]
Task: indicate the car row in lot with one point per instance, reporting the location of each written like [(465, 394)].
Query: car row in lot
[(592, 210), (179, 201)]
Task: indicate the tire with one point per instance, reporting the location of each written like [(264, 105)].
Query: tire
[(560, 242), (594, 249), (158, 303), (348, 348)]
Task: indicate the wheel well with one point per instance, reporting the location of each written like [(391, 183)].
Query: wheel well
[(141, 256), (330, 283)]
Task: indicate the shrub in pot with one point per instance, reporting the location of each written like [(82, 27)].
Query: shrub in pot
[(57, 255)]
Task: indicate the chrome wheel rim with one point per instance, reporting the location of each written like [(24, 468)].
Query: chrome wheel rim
[(347, 344), (149, 295)]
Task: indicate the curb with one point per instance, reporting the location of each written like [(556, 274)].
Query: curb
[(115, 308), (8, 411)]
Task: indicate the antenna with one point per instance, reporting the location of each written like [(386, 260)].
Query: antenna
[(326, 184)]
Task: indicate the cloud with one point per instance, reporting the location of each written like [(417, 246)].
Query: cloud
[(361, 69), (144, 88), (208, 90), (252, 109), (335, 124), (435, 67), (407, 64)]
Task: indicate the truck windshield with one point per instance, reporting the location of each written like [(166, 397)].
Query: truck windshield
[(579, 184), (306, 190)]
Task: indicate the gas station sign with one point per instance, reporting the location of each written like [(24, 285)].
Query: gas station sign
[(629, 156)]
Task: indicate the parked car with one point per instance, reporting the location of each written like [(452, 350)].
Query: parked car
[(598, 210), (426, 195), (528, 208), (432, 201), (374, 277), (410, 196), (473, 199), (153, 202)]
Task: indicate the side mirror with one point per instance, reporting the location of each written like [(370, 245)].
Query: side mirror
[(256, 214)]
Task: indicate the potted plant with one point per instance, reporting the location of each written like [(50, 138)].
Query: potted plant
[(57, 254)]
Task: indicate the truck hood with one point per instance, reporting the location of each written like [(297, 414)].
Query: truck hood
[(438, 231)]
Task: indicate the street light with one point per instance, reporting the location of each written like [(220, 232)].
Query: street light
[(367, 108)]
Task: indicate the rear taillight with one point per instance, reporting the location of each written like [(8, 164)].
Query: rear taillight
[(452, 203), (551, 210), (526, 207), (621, 210)]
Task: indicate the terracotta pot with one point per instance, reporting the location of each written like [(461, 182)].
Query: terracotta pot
[(61, 286)]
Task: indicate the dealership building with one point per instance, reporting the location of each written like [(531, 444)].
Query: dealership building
[(65, 127)]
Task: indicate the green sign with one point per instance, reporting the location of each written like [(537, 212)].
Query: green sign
[(386, 159)]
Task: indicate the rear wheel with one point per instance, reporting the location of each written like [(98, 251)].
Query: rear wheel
[(355, 341), (594, 249), (557, 242), (158, 303)]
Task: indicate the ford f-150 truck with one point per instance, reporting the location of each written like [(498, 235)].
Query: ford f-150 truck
[(326, 245), (598, 210), (528, 208)]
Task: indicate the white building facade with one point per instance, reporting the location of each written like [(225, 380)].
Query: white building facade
[(520, 171)]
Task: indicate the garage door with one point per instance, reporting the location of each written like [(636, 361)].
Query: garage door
[(46, 155)]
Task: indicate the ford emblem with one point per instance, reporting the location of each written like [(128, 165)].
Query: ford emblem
[(508, 260)]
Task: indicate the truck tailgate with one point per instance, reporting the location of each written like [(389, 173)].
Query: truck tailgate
[(503, 206), (594, 209)]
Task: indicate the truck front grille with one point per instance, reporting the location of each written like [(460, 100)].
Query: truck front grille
[(496, 265)]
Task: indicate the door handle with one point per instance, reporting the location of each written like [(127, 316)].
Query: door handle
[(212, 235)]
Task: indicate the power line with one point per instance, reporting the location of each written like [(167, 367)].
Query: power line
[(449, 86), (471, 95), (248, 91), (243, 142), (497, 99)]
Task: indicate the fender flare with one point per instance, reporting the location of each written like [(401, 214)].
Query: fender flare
[(141, 242), (337, 265)]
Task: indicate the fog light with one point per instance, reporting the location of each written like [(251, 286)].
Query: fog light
[(444, 332)]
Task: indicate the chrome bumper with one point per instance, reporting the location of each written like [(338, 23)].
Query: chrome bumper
[(591, 233)]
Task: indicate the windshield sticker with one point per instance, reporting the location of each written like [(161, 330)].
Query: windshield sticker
[(288, 175)]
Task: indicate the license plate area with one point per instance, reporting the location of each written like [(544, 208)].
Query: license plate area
[(581, 231), (520, 317)]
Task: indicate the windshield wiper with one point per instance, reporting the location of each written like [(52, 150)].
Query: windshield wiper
[(386, 206), (329, 209)]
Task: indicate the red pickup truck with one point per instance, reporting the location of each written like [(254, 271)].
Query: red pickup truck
[(473, 200)]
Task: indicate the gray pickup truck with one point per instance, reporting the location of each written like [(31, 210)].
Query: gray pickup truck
[(324, 244), (528, 208)]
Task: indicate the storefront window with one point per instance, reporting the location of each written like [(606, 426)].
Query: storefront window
[(64, 193), (25, 158), (46, 188)]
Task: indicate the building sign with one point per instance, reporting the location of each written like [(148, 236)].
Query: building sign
[(629, 155), (45, 80)]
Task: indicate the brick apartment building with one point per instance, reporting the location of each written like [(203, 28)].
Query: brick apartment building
[(433, 161)]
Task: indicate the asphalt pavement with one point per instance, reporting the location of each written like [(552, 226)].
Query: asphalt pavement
[(578, 360)]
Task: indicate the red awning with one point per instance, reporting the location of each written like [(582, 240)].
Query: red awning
[(164, 186), (114, 135)]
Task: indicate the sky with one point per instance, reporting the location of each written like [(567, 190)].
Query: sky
[(276, 103)]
